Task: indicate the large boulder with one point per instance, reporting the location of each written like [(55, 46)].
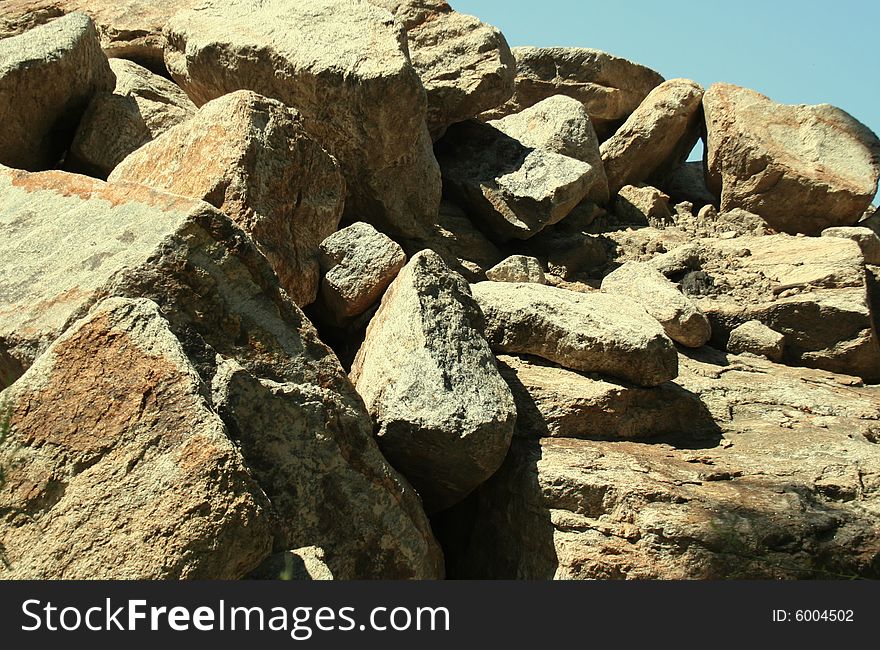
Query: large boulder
[(813, 290), (117, 467), (128, 29), (608, 86), (802, 168), (344, 66), (252, 158), (554, 402), (466, 65), (788, 486), (560, 124), (78, 240), (514, 190), (866, 238), (47, 77), (657, 137), (357, 263), (681, 319), (141, 107), (444, 415), (591, 332), (518, 268)]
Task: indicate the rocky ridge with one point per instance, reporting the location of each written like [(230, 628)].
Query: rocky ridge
[(356, 288)]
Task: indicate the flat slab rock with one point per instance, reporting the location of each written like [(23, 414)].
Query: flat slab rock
[(47, 77), (590, 332), (788, 487), (608, 86), (802, 168), (117, 468), (252, 158), (344, 66), (680, 317), (444, 416), (813, 290), (515, 190)]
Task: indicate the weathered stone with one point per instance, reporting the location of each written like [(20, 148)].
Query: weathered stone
[(117, 468), (310, 447), (358, 263), (572, 256), (443, 413), (756, 338), (560, 124), (813, 290), (141, 107), (344, 66), (681, 319), (687, 182), (657, 137), (307, 563), (279, 389), (789, 491), (609, 87), (47, 77), (466, 65), (555, 402), (642, 205), (515, 190), (587, 332), (463, 246), (252, 158), (517, 268), (128, 29), (866, 238), (802, 168)]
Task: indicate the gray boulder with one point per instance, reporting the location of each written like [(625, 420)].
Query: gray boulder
[(444, 415)]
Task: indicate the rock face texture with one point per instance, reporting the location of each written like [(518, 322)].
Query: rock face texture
[(802, 168), (814, 291), (141, 107), (516, 190), (444, 415), (366, 294), (657, 137), (358, 263), (252, 158), (518, 268), (47, 77), (589, 332), (608, 86), (681, 319), (789, 491), (280, 391), (116, 450), (343, 66), (466, 65), (128, 29)]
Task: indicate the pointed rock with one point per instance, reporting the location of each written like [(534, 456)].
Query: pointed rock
[(443, 413), (252, 158)]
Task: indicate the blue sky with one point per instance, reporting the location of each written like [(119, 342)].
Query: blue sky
[(795, 51)]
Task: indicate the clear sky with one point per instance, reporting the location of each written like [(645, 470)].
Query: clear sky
[(794, 51)]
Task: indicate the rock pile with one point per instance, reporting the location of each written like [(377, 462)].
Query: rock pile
[(352, 289)]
